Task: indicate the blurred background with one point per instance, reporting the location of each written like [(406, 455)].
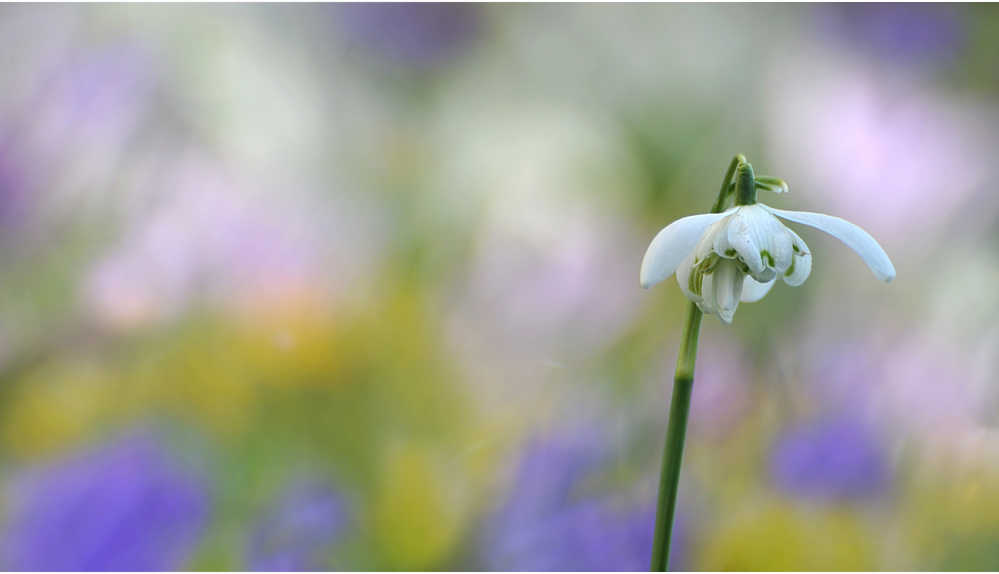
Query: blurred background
[(355, 287)]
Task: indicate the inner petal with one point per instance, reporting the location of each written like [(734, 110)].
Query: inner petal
[(753, 290), (727, 289), (762, 241), (801, 266), (781, 248), (684, 274)]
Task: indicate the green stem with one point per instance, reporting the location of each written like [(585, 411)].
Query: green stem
[(728, 186), (676, 433), (679, 410)]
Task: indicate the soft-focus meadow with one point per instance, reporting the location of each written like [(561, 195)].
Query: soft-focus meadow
[(355, 287)]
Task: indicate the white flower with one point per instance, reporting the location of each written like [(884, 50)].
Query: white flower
[(721, 259)]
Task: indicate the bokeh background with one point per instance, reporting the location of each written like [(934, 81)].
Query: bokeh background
[(355, 287)]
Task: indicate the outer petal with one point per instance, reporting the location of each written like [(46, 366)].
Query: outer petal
[(672, 245), (855, 238), (753, 290), (802, 267)]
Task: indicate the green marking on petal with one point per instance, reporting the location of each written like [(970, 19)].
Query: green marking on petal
[(790, 269), (710, 263), (694, 283), (769, 258), (705, 267), (730, 253)]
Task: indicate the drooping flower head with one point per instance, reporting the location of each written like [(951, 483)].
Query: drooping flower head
[(737, 255)]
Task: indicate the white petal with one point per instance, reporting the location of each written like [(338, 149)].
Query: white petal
[(781, 249), (744, 240), (707, 302), (672, 245), (683, 278), (727, 287), (753, 290), (802, 267), (719, 240), (760, 239), (855, 238), (765, 276)]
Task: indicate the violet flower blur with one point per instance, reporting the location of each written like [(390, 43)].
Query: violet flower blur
[(723, 399), (417, 35), (829, 460), (535, 298), (916, 386), (547, 526), (299, 531), (127, 506), (16, 197), (213, 239), (874, 149), (101, 95), (901, 33)]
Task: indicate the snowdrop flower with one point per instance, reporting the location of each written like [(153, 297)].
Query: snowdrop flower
[(723, 258)]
